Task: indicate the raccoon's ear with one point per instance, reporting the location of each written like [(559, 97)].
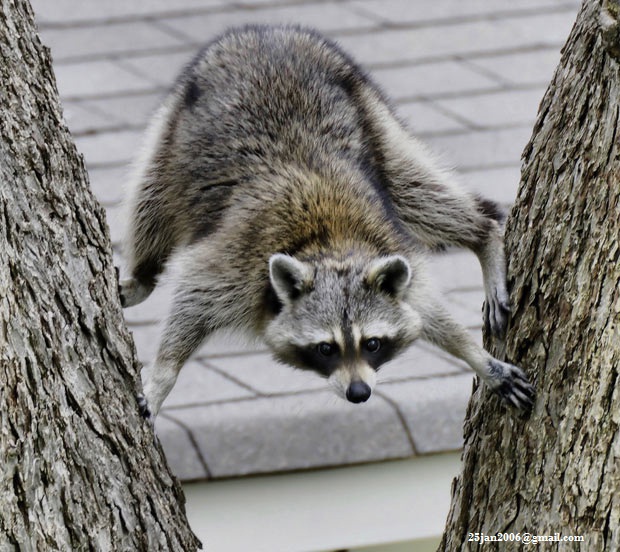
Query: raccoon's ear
[(289, 277), (390, 275)]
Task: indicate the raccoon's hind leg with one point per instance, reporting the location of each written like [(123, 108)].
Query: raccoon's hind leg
[(437, 211), (148, 245), (504, 379), (152, 212)]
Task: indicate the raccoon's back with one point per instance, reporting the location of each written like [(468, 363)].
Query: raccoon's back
[(261, 94)]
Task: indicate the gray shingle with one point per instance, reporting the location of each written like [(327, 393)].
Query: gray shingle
[(434, 410), (312, 430)]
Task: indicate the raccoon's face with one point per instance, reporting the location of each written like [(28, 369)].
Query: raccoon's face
[(342, 319)]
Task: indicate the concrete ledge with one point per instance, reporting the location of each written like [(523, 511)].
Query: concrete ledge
[(344, 508)]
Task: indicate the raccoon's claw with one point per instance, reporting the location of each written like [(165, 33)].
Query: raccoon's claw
[(496, 311), (143, 407), (119, 286), (512, 385)]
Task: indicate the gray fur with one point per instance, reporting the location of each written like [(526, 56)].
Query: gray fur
[(299, 208)]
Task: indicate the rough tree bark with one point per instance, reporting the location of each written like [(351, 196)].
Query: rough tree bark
[(78, 467), (559, 470)]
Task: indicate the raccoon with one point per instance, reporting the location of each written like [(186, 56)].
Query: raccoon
[(300, 209)]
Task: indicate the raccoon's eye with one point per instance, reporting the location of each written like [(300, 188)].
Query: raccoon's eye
[(326, 349), (372, 345)]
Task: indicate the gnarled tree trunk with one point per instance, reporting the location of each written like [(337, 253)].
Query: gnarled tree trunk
[(559, 470), (78, 466)]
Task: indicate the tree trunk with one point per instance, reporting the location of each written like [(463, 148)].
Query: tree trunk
[(78, 466), (559, 470)]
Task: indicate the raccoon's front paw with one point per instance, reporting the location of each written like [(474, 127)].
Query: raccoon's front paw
[(143, 407), (511, 384), (496, 311)]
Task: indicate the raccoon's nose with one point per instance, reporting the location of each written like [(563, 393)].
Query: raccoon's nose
[(358, 392)]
